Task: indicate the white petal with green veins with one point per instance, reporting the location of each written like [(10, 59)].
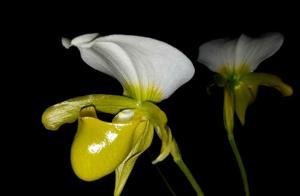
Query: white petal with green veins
[(234, 54), (217, 53), (252, 51), (148, 69)]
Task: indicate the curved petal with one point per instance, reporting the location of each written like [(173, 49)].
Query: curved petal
[(217, 53), (142, 139), (252, 52), (243, 96), (148, 69), (237, 53), (100, 147), (166, 138), (68, 111), (264, 79)]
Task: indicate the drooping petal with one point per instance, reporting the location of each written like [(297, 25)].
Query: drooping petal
[(243, 96), (68, 111), (166, 138), (239, 53), (142, 140), (264, 79), (159, 120), (100, 147), (148, 69)]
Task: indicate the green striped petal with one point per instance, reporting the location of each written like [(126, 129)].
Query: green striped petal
[(142, 140), (68, 111)]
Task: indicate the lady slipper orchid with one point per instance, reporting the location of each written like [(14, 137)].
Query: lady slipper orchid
[(234, 61), (149, 71)]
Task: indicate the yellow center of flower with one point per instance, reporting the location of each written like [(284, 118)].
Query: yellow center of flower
[(149, 93), (233, 74), (237, 70)]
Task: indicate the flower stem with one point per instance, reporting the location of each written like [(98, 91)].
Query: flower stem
[(162, 176), (240, 163), (189, 176), (178, 160), (165, 180)]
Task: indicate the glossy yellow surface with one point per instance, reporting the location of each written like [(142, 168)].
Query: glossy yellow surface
[(99, 147)]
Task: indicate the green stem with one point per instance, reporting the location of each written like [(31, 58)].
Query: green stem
[(189, 176), (162, 175), (165, 180), (240, 163)]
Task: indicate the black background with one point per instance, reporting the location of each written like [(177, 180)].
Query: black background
[(43, 73)]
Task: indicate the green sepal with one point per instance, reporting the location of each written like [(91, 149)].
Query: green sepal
[(228, 110), (142, 140), (159, 120), (164, 133), (68, 111)]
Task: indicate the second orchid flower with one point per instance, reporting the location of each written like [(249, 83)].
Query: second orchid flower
[(234, 62)]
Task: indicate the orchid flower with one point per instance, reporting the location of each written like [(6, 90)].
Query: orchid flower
[(234, 61), (149, 71)]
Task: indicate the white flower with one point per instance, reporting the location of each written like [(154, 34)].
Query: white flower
[(234, 54), (234, 61), (148, 69)]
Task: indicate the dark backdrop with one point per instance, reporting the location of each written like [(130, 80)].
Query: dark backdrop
[(44, 73)]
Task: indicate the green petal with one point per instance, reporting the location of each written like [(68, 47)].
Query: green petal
[(228, 110), (154, 114), (244, 95), (99, 147), (256, 79), (68, 111), (159, 120), (142, 140), (166, 137)]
